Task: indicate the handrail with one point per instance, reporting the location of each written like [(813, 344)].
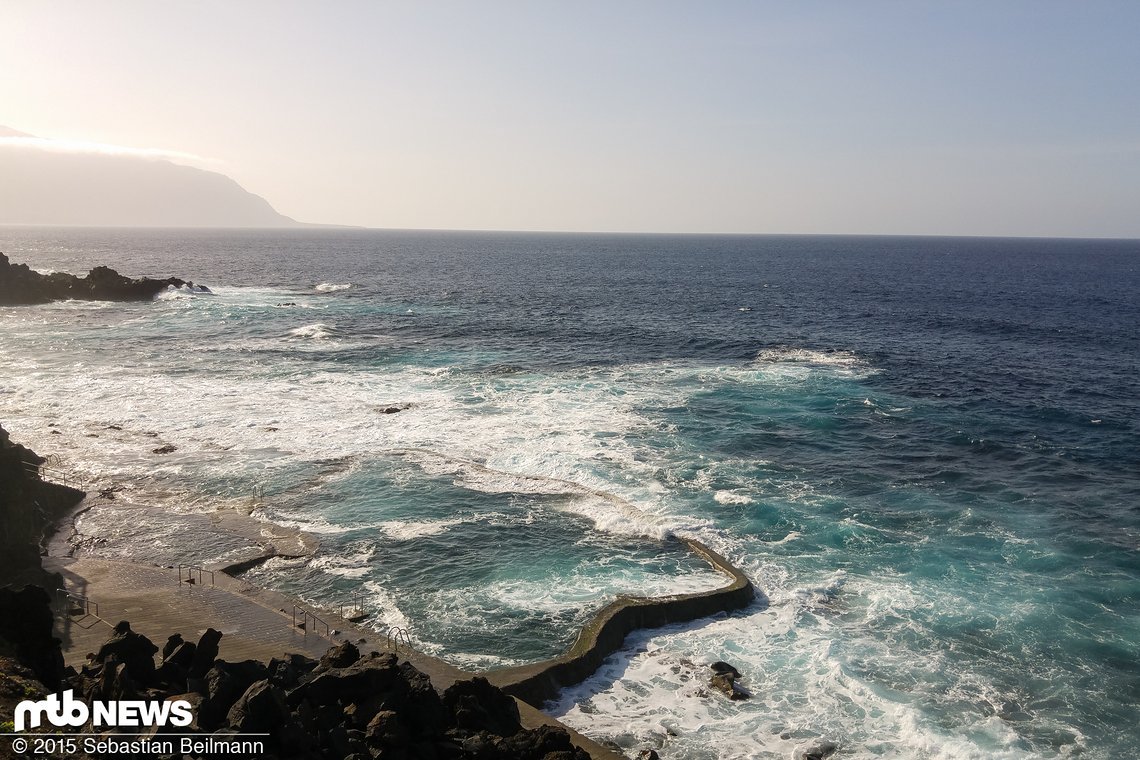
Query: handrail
[(50, 467), (86, 603), (190, 571), (394, 636), (355, 608), (306, 617)]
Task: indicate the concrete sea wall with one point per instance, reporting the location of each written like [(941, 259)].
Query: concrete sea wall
[(606, 631)]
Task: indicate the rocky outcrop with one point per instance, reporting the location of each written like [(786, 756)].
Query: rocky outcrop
[(22, 286), (343, 705), (29, 505), (26, 633)]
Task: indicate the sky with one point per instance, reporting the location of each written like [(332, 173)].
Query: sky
[(955, 118)]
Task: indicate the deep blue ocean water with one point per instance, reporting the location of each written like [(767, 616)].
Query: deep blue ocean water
[(924, 451)]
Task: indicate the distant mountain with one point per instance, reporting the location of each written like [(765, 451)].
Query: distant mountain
[(42, 185)]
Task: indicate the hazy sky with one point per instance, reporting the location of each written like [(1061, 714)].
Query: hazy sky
[(1005, 118)]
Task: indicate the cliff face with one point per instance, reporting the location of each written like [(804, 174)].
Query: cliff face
[(28, 507), (55, 187), (20, 285)]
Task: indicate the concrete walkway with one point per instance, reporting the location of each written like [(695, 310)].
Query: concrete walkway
[(255, 623)]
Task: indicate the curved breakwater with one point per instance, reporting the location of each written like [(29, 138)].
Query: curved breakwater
[(607, 630)]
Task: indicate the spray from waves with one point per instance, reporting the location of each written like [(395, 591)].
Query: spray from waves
[(330, 287), (315, 331), (732, 497), (409, 530), (654, 694), (844, 361), (172, 293)]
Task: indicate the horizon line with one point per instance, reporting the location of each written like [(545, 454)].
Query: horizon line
[(313, 226)]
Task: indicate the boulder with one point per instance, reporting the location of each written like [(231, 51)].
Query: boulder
[(225, 682), (133, 650), (725, 683), (479, 706), (287, 672), (340, 656), (538, 743), (259, 710), (386, 728), (365, 677), (720, 667), (205, 653), (172, 643)]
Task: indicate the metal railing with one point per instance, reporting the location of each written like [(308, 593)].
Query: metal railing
[(192, 574), (353, 611), (49, 469), (74, 603), (309, 621), (394, 636)]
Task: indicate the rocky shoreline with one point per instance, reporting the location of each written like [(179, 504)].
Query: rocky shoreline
[(344, 705), (21, 285)]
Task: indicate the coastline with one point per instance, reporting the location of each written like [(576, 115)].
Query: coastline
[(530, 685)]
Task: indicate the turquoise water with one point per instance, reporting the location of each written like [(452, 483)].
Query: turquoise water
[(923, 451)]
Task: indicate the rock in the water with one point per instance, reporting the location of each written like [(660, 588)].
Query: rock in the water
[(725, 683), (818, 751), (721, 666), (20, 285), (648, 754), (167, 448)]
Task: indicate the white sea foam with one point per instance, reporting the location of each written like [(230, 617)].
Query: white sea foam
[(732, 497), (408, 530), (655, 694), (356, 564), (315, 331), (330, 287), (172, 292)]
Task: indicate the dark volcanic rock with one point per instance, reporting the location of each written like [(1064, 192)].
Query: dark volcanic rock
[(224, 684), (26, 626), (479, 706), (357, 682), (818, 751), (133, 650), (205, 653), (28, 506), (721, 666), (259, 710), (340, 656), (20, 285)]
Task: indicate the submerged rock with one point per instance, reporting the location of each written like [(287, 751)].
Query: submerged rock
[(818, 751)]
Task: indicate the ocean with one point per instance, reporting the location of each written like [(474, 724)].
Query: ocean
[(923, 451)]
